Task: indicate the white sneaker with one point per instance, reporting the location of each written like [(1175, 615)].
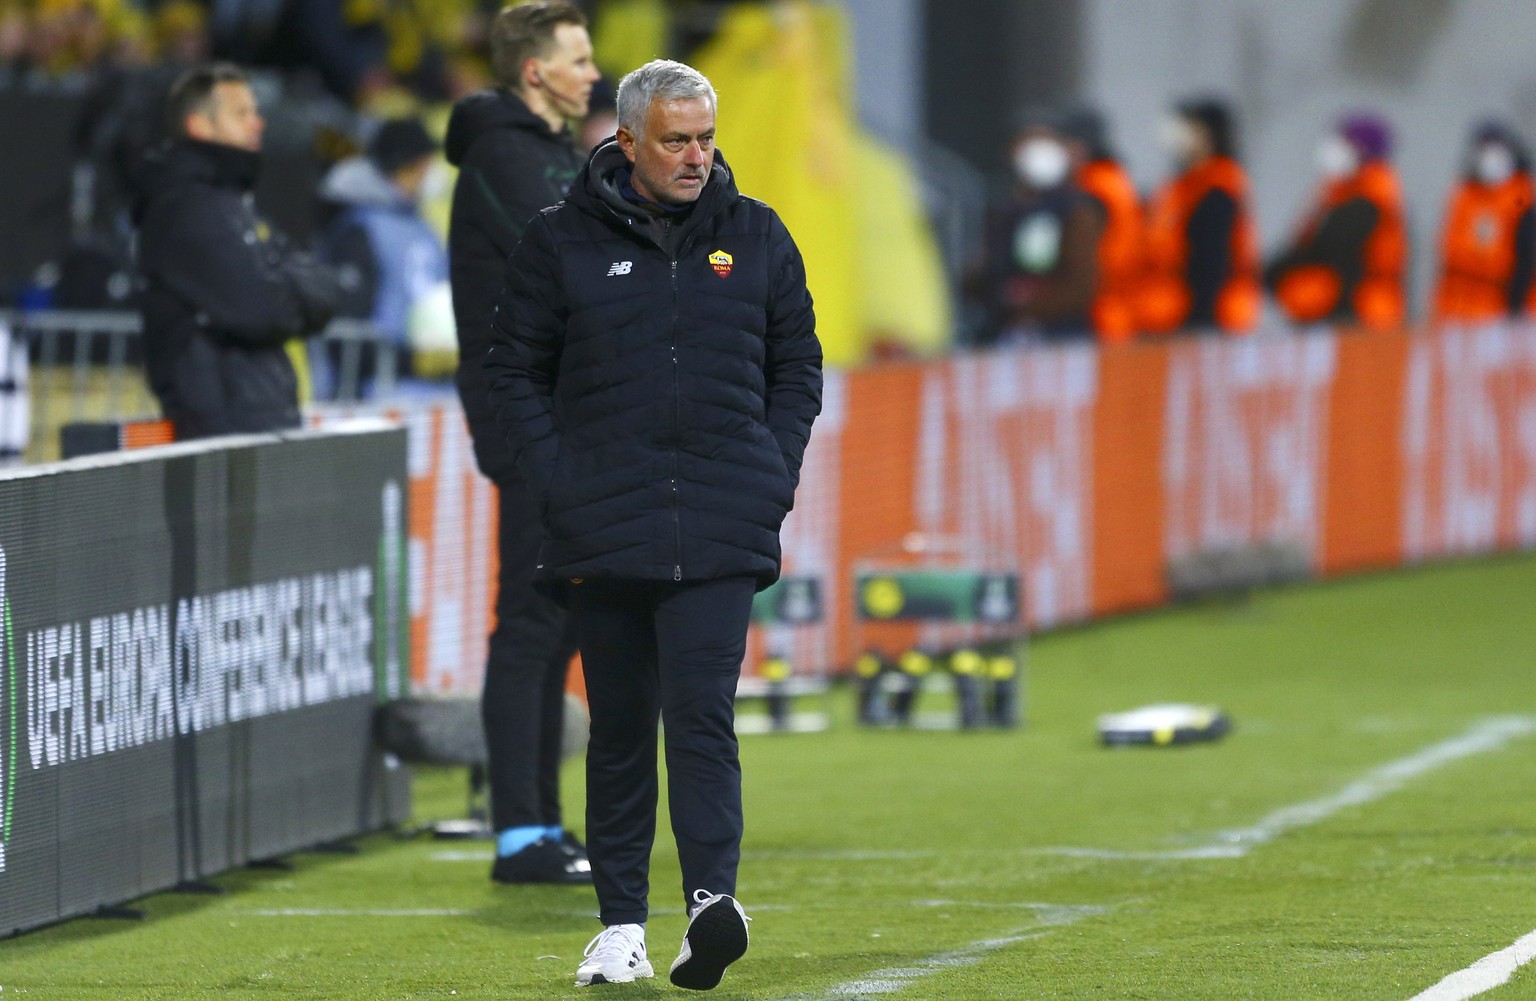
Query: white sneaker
[(716, 938), (615, 956)]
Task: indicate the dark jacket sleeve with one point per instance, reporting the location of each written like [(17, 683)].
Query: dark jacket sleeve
[(1210, 255), (524, 356), (317, 287), (792, 361), (1338, 244), (262, 293), (1525, 262)]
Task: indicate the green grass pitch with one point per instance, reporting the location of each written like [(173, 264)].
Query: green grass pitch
[(1391, 839)]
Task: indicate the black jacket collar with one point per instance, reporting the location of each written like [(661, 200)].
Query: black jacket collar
[(598, 191), (183, 162)]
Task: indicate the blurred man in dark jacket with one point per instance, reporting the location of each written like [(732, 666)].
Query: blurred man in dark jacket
[(1040, 270), (655, 366), (515, 156), (223, 291)]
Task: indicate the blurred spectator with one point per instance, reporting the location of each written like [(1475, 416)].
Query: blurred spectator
[(1488, 246), (124, 113), (392, 267), (15, 31), (346, 43), (223, 291), (1100, 175), (1038, 276), (1202, 257), (1348, 259)]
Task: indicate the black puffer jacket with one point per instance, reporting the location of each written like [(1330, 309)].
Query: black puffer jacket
[(511, 165), (222, 293), (659, 404)]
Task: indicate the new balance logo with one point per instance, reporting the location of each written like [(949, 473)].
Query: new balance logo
[(620, 268)]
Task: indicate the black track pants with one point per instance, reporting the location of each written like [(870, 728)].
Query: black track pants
[(673, 650)]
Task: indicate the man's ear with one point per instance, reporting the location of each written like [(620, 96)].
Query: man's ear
[(195, 126), (627, 143)]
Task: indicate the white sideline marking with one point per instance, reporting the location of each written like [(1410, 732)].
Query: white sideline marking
[(833, 855), (486, 854), (365, 912), (1488, 735), (1483, 975), (898, 978)]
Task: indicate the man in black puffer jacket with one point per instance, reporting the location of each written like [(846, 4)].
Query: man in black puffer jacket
[(654, 365), (515, 157), (223, 292)]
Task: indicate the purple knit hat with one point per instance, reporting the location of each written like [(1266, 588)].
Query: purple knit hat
[(1369, 134)]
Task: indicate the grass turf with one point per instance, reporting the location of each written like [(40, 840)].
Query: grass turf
[(918, 863)]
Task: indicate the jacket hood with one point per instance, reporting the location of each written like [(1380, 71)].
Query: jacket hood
[(357, 180), (486, 111), (183, 163), (598, 188)]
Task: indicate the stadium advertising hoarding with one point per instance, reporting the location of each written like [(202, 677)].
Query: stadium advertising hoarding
[(1090, 474), (192, 644)]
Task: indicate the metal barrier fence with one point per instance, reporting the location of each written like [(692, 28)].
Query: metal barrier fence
[(87, 365)]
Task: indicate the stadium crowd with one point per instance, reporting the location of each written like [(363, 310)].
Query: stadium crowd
[(1071, 249)]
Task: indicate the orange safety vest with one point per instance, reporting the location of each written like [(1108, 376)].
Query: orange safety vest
[(1477, 250), (1310, 293), (1165, 296), (1120, 249)]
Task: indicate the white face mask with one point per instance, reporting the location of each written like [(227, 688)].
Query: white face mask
[(1176, 137), (1494, 163), (1336, 158), (1041, 162)]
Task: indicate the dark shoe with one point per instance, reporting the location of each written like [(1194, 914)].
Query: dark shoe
[(573, 844), (716, 938), (543, 861)]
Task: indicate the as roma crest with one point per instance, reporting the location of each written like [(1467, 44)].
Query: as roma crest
[(721, 262)]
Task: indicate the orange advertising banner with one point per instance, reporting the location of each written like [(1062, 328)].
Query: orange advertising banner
[(1091, 474)]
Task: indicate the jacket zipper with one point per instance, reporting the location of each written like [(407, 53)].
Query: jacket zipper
[(677, 430)]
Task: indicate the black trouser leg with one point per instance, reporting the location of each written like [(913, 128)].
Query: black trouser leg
[(618, 644), (673, 650), (525, 669), (701, 639)]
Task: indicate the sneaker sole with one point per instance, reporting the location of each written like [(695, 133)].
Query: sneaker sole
[(640, 972), (716, 939)]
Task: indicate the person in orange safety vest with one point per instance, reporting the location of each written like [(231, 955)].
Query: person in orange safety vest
[(1100, 175), (1202, 266), (1488, 247), (1348, 260)]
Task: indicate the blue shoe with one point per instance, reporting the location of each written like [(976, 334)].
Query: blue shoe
[(544, 861)]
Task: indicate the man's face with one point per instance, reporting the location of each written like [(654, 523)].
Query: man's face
[(673, 156), (232, 118), (569, 72)]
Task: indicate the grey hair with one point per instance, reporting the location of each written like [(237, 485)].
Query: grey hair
[(659, 80)]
